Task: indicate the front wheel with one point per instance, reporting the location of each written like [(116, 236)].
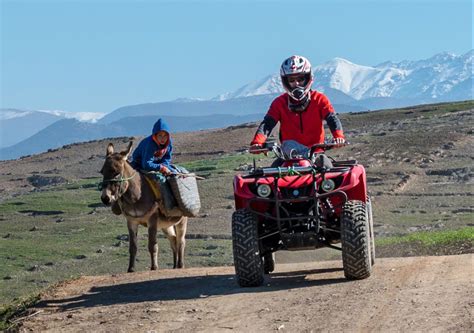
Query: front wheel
[(247, 260), (355, 241)]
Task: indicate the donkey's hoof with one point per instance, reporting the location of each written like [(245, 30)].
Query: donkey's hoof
[(131, 270), (154, 268)]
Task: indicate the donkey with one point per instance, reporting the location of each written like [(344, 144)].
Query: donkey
[(129, 193)]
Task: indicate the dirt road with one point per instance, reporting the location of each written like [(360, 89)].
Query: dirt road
[(427, 294)]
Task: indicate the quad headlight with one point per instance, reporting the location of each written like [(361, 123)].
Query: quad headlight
[(264, 190), (328, 185)]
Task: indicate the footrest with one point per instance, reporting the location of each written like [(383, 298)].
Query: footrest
[(344, 163)]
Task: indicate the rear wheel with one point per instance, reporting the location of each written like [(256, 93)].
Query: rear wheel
[(247, 260), (355, 241)]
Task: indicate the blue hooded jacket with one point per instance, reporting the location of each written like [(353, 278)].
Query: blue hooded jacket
[(143, 158)]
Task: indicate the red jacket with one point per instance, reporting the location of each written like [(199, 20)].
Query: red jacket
[(304, 127)]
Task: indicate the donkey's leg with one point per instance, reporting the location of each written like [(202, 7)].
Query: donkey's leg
[(181, 240), (152, 243), (132, 244), (171, 235)]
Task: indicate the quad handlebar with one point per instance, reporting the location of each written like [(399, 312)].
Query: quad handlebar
[(293, 170), (328, 146), (275, 147), (258, 149)]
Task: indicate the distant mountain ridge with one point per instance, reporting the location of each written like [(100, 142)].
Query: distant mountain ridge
[(193, 108), (350, 87), (444, 76), (17, 125)]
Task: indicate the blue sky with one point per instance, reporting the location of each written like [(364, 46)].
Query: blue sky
[(96, 56)]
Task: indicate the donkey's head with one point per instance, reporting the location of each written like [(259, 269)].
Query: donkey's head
[(115, 181)]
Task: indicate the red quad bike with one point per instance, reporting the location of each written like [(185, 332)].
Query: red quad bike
[(300, 206)]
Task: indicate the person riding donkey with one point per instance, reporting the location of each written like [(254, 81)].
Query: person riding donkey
[(301, 112), (153, 156), (154, 152)]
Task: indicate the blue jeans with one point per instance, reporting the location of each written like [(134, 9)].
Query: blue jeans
[(294, 149)]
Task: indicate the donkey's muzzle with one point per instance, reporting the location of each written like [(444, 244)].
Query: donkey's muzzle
[(105, 200)]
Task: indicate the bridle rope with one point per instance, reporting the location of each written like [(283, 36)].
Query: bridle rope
[(120, 179)]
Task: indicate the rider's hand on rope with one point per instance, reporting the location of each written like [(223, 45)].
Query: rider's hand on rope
[(165, 171)]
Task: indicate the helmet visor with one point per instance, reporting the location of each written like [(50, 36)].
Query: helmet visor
[(297, 80)]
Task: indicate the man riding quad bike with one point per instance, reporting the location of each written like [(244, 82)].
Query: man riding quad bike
[(304, 200), (301, 205)]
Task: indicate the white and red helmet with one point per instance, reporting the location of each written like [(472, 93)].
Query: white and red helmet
[(297, 65)]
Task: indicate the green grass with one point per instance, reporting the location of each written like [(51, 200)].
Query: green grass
[(8, 312), (225, 163), (61, 199), (438, 238)]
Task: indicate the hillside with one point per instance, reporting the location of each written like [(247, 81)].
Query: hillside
[(408, 140), (415, 158)]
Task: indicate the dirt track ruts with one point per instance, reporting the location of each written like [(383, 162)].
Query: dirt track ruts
[(427, 294)]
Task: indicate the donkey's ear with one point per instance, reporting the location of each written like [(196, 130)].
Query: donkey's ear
[(127, 152), (110, 149)]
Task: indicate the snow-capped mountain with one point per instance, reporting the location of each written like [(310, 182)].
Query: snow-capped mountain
[(6, 114), (19, 124), (268, 85), (357, 81), (91, 117), (444, 76), (438, 77)]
